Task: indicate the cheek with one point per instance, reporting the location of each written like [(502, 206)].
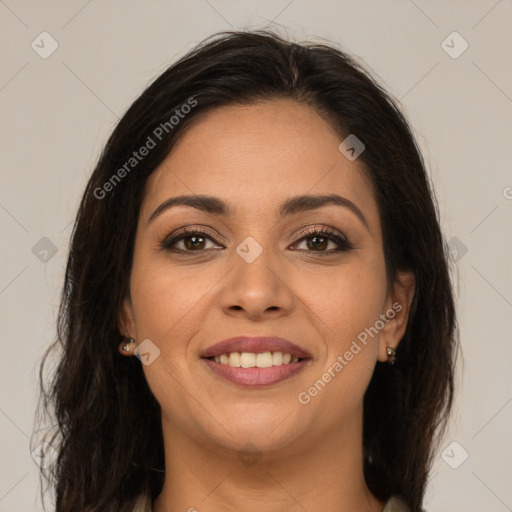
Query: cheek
[(165, 297), (166, 304), (356, 302), (346, 298)]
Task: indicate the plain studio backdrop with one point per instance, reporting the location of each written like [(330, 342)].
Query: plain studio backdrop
[(71, 68)]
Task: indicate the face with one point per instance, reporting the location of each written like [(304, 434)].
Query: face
[(311, 272)]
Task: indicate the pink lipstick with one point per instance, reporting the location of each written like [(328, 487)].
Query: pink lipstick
[(256, 361)]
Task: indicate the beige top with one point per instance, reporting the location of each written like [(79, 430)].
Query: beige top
[(394, 504)]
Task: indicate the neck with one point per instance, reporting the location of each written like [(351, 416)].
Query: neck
[(314, 474)]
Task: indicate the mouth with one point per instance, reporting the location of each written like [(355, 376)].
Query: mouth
[(256, 361)]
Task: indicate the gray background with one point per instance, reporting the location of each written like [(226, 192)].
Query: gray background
[(57, 112)]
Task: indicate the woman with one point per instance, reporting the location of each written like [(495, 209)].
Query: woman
[(260, 240)]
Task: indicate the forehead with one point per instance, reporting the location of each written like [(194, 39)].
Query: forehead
[(255, 156)]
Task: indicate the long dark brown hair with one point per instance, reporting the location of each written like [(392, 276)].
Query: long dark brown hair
[(107, 432)]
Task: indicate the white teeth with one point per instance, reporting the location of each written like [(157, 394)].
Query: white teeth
[(252, 360), (247, 360), (264, 360), (234, 359), (277, 358)]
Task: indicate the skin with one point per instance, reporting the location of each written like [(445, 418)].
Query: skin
[(254, 158)]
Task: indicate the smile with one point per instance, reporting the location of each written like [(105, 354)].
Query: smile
[(252, 360), (251, 369)]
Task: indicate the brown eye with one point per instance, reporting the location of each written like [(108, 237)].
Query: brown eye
[(194, 242), (190, 241), (318, 240)]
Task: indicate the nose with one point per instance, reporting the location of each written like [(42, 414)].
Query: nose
[(257, 290)]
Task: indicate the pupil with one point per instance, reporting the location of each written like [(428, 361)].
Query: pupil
[(317, 244), (193, 242)]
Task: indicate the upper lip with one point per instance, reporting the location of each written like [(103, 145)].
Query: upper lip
[(256, 344)]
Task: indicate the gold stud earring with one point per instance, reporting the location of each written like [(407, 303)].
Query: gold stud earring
[(391, 353), (126, 346)]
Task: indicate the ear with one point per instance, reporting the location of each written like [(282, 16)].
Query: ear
[(396, 313), (126, 324)]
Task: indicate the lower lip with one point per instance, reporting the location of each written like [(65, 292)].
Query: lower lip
[(256, 377)]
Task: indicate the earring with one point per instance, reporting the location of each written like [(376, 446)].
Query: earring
[(126, 347), (391, 353)]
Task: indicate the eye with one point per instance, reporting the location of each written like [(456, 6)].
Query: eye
[(190, 240), (320, 239)]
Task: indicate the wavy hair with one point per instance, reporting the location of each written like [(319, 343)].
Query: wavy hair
[(107, 432)]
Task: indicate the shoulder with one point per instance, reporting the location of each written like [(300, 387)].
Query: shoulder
[(396, 504), (143, 504)]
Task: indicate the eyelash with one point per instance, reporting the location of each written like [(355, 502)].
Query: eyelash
[(344, 245)]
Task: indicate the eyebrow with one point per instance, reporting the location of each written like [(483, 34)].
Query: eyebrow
[(291, 206)]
